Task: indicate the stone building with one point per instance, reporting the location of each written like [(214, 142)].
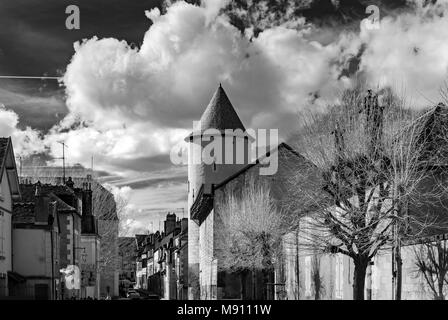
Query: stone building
[(208, 185), (9, 192), (181, 260), (296, 272), (73, 214), (105, 212), (162, 266), (90, 247), (335, 271), (127, 254), (36, 239)]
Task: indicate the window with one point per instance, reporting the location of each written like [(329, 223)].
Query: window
[(214, 166)]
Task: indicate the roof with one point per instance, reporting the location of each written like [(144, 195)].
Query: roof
[(203, 204), (8, 164), (23, 213), (125, 244), (24, 209), (29, 193), (3, 149), (279, 148), (62, 205), (434, 124), (220, 114), (140, 238)]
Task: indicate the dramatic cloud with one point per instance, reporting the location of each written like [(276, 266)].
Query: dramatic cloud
[(127, 102), (128, 105), (410, 53), (26, 141)]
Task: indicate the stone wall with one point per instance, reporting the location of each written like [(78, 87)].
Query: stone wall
[(207, 261), (336, 274)]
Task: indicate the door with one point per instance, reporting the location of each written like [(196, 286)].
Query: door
[(41, 292)]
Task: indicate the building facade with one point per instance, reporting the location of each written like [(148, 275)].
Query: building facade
[(9, 192), (36, 247)]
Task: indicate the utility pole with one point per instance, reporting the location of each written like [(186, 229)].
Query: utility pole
[(63, 160)]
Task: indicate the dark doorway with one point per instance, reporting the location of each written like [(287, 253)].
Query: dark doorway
[(41, 292)]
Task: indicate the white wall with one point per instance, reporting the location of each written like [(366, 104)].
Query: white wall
[(89, 261), (5, 225), (32, 252)]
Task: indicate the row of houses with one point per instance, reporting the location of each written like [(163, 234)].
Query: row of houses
[(50, 244), (161, 260)]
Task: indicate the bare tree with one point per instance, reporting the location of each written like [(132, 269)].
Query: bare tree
[(318, 281), (368, 159), (251, 230), (431, 260)]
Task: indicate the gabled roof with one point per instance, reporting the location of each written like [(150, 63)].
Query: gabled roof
[(127, 244), (52, 191), (25, 213), (3, 149), (281, 148), (434, 125), (220, 114), (62, 205), (8, 163), (203, 204)]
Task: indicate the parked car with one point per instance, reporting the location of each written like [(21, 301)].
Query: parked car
[(132, 294)]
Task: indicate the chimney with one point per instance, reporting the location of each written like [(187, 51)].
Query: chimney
[(184, 225), (38, 190), (87, 205), (41, 208), (170, 223), (69, 183)]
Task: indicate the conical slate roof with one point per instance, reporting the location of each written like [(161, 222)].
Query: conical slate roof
[(220, 114)]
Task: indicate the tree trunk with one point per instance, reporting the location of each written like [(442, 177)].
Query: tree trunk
[(441, 295), (243, 284), (359, 278), (398, 264), (254, 286), (297, 265)]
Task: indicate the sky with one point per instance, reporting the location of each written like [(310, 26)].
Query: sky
[(137, 73)]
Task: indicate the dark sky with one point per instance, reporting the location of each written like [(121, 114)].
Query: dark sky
[(35, 42)]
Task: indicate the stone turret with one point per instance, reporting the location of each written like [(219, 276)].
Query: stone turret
[(221, 127)]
